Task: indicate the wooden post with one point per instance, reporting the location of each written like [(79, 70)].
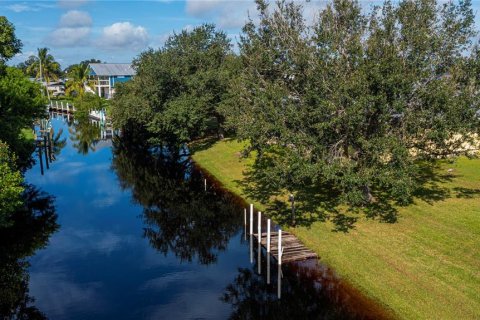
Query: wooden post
[(251, 218), (62, 105), (268, 268), (251, 248), (259, 259), (205, 184), (268, 236), (279, 282), (40, 157), (279, 247), (46, 151), (50, 147), (259, 227)]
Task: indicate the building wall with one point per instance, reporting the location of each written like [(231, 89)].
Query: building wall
[(118, 79)]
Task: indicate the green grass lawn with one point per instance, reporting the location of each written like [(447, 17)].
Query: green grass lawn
[(425, 266)]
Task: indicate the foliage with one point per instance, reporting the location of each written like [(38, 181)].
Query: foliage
[(31, 227), (26, 66), (89, 102), (20, 104), (77, 80), (10, 45), (444, 221), (84, 135), (352, 103), (45, 67), (179, 216), (11, 187), (177, 89), (83, 63)]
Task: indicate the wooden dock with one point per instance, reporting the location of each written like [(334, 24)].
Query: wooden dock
[(293, 249)]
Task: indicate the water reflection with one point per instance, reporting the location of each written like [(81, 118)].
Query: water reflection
[(179, 216), (85, 134), (31, 229), (301, 290)]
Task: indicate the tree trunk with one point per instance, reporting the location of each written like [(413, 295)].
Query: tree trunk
[(367, 194)]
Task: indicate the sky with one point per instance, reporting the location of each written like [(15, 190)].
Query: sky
[(118, 31)]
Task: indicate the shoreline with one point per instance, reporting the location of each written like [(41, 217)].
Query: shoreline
[(344, 293)]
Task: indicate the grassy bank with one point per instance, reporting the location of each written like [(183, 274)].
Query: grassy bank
[(425, 266)]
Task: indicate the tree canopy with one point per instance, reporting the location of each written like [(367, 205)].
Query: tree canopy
[(10, 45), (21, 103), (352, 103), (177, 89)]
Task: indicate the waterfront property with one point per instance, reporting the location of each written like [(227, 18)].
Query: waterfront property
[(107, 75), (425, 266)]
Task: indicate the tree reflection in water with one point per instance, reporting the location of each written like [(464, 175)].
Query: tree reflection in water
[(308, 291), (179, 216), (84, 134), (32, 227), (182, 218)]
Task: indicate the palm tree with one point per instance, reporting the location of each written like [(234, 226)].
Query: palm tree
[(78, 79), (45, 67)]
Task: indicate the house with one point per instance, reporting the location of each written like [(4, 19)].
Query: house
[(57, 88), (107, 75)]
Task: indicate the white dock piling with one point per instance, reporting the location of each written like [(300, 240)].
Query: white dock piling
[(251, 218), (280, 251), (259, 234), (251, 248), (268, 236)]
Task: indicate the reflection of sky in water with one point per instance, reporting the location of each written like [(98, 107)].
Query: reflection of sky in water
[(98, 265)]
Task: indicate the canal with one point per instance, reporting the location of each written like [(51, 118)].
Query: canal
[(121, 231)]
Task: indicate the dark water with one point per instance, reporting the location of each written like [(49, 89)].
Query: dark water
[(134, 235)]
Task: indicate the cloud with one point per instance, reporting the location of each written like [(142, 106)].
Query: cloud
[(233, 14), (226, 14), (21, 7), (71, 3), (123, 35), (75, 18), (73, 30)]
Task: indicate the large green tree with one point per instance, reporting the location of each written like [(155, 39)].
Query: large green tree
[(177, 89), (11, 187), (21, 103), (354, 103), (78, 78), (45, 67), (10, 45)]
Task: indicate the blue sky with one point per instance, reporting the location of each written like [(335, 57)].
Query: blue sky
[(117, 31)]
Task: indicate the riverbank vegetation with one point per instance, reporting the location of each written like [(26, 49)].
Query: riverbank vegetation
[(354, 113), (424, 266), (356, 103)]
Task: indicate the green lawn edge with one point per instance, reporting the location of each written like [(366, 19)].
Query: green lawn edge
[(425, 266)]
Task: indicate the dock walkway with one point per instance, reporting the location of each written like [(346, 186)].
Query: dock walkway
[(293, 249)]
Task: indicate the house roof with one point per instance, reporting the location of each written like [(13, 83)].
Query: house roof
[(111, 69)]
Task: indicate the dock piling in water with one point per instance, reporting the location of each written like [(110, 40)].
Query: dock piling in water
[(268, 236), (46, 151), (280, 251), (259, 227), (251, 218)]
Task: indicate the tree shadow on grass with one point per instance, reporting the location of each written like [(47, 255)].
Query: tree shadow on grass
[(322, 202)]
